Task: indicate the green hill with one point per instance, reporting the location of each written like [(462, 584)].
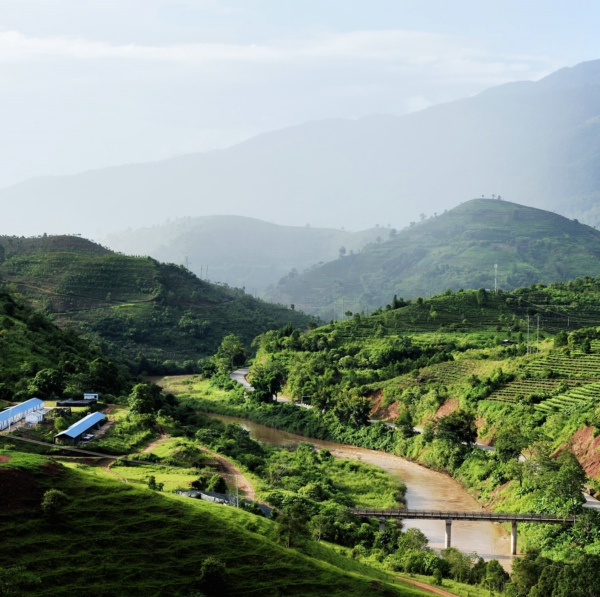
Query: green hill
[(242, 252), (456, 249), (145, 308), (114, 539), (39, 359)]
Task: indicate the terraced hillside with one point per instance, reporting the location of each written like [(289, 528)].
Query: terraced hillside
[(143, 307)]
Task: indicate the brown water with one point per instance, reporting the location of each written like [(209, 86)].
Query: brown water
[(425, 490)]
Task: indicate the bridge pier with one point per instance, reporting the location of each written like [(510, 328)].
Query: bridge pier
[(448, 541), (381, 525), (513, 538)]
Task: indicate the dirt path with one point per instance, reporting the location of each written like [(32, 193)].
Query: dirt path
[(428, 588), (231, 472), (152, 445)]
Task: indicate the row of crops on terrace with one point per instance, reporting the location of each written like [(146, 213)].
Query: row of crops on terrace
[(558, 382)]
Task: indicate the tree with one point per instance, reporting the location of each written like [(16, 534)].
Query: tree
[(53, 503), (145, 399), (482, 297), (565, 486), (510, 442), (404, 422), (213, 576), (458, 427), (153, 485), (580, 579), (459, 563), (47, 383), (292, 525), (495, 576), (413, 539), (351, 409), (267, 378), (342, 251), (526, 571), (231, 354)]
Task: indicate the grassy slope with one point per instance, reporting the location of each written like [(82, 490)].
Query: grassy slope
[(115, 539), (457, 249), (143, 306)]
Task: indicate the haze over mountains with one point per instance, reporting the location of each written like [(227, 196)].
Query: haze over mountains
[(534, 143), (242, 252)]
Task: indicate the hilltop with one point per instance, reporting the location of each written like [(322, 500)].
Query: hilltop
[(144, 308), (242, 252), (456, 249), (532, 142)]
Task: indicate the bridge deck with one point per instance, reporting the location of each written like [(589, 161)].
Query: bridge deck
[(441, 515)]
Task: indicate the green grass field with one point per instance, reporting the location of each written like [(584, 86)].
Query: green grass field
[(115, 539)]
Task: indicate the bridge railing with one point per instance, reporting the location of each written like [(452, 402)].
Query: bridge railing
[(458, 515)]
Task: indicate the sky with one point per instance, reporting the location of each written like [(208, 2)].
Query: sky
[(87, 84)]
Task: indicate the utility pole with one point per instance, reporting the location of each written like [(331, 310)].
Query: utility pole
[(187, 263), (537, 346), (201, 271), (495, 278), (528, 334)]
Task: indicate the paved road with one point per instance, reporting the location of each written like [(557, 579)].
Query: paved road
[(239, 375)]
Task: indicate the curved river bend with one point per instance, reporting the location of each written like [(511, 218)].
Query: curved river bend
[(425, 490)]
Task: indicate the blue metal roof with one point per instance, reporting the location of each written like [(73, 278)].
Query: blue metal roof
[(23, 408), (82, 426)]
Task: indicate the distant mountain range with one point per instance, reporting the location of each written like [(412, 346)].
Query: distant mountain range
[(535, 143), (141, 307), (242, 252), (456, 249)]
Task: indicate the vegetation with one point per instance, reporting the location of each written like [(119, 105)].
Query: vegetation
[(457, 249), (161, 316), (118, 539), (39, 359)]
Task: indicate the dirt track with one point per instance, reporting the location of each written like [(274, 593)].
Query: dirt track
[(231, 472), (428, 588)]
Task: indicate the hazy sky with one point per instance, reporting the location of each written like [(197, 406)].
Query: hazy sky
[(91, 83)]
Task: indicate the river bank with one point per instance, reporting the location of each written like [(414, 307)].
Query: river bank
[(426, 489)]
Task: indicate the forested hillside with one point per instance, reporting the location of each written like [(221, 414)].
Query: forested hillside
[(242, 252), (148, 310), (39, 359), (456, 249)]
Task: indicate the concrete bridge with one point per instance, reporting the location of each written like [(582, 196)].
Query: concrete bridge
[(382, 515)]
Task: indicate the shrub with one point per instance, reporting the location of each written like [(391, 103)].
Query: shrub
[(213, 575), (53, 503)]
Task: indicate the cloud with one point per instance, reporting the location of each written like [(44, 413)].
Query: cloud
[(401, 52)]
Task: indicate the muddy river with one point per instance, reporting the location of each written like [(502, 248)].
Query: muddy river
[(425, 490)]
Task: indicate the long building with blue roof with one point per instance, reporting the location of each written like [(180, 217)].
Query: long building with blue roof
[(75, 432), (17, 412)]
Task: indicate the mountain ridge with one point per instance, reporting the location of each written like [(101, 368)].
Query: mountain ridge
[(535, 143)]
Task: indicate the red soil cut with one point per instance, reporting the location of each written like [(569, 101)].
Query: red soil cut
[(447, 408), (389, 413), (4, 458), (587, 449)]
